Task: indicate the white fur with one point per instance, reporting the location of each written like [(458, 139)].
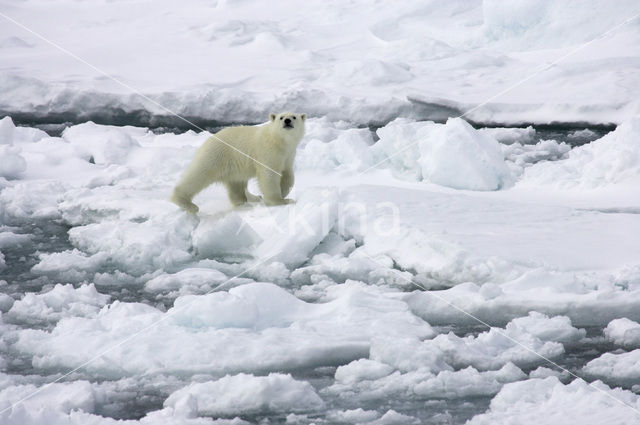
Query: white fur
[(236, 154)]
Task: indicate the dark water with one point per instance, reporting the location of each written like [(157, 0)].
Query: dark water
[(55, 125), (52, 236)]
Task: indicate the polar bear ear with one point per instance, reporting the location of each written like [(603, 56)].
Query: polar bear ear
[(303, 116), (272, 117)]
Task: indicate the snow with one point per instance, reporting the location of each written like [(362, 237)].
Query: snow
[(357, 62)]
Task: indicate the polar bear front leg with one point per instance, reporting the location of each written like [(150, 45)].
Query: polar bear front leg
[(269, 183), (237, 192), (286, 182)]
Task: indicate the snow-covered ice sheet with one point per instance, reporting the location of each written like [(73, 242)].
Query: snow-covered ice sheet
[(357, 61)]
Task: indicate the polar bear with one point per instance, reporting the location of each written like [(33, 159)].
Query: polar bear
[(236, 154)]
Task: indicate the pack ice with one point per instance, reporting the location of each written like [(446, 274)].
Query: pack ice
[(431, 271)]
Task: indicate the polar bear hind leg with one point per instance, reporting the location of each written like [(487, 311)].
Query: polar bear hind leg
[(184, 202), (191, 184), (237, 192)]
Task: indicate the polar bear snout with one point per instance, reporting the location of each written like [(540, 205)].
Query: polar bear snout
[(289, 120)]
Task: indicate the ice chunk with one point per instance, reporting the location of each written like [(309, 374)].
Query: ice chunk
[(162, 242), (623, 332), (524, 403), (359, 416), (399, 146), (75, 402), (248, 394), (409, 354), (452, 154), (468, 382), (623, 368), (217, 310), (493, 349), (362, 369), (5, 300), (7, 129), (61, 301), (348, 151), (585, 298), (10, 134), (188, 281), (585, 134), (542, 372), (52, 399), (104, 144), (458, 156), (391, 417), (293, 232), (612, 159), (70, 265), (11, 240), (510, 135), (519, 157), (438, 261), (524, 341), (556, 328), (420, 383)]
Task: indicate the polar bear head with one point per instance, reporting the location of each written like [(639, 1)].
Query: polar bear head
[(289, 124)]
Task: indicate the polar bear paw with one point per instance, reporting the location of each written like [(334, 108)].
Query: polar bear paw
[(185, 204), (276, 202), (253, 198)]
